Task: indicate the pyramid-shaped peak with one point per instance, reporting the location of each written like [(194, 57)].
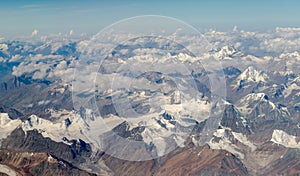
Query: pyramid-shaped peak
[(252, 75)]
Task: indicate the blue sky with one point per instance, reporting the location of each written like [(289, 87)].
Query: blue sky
[(89, 16)]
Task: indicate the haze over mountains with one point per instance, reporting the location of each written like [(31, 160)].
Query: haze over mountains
[(152, 107)]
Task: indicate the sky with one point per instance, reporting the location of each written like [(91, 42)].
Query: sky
[(22, 17)]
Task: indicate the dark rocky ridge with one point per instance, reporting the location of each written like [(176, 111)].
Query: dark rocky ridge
[(78, 152), (38, 164)]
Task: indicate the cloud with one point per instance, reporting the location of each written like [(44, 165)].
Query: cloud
[(288, 29), (45, 62), (34, 32)]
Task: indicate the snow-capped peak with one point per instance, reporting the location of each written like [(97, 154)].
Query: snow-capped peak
[(226, 141), (294, 54), (254, 97), (248, 103), (68, 125), (249, 75), (293, 86), (7, 125), (226, 52), (281, 137), (252, 75)]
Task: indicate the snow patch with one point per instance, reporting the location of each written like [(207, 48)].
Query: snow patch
[(7, 125), (224, 144), (282, 138), (57, 130)]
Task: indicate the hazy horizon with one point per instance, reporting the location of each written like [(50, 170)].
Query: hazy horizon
[(21, 18)]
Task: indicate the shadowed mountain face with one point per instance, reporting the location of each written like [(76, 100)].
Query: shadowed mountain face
[(151, 108), (12, 113)]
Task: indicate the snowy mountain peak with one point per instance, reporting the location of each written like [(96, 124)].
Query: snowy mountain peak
[(249, 75), (226, 52), (252, 75), (294, 54), (248, 103), (283, 138), (4, 118), (228, 49), (255, 97), (7, 125)]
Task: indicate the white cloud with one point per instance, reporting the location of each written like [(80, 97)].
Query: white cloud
[(288, 29), (34, 32), (256, 46)]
